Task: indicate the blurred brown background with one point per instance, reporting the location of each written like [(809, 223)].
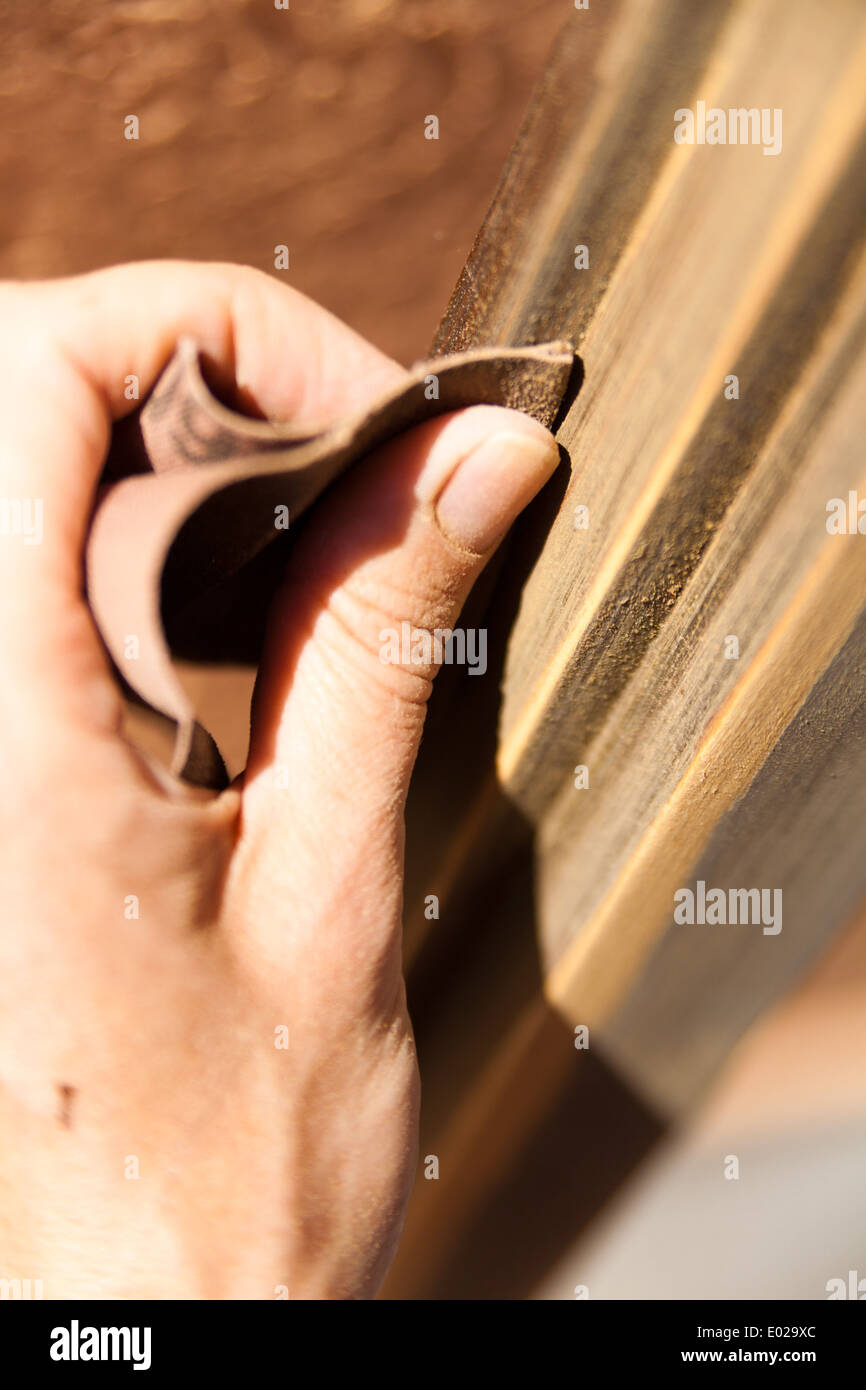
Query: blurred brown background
[(261, 127)]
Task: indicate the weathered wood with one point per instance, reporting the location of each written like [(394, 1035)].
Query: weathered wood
[(707, 520)]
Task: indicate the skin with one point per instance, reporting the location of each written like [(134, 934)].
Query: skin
[(260, 1169)]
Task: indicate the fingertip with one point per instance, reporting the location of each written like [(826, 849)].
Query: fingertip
[(483, 469)]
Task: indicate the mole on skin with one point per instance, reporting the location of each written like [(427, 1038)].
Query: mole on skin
[(67, 1095)]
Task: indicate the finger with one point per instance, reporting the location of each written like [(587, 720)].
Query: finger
[(69, 351), (72, 347), (339, 710)]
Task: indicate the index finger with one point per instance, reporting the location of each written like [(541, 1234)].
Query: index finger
[(68, 352)]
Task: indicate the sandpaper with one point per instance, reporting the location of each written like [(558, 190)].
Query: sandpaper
[(188, 539)]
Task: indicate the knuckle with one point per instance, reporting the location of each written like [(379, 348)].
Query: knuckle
[(366, 633)]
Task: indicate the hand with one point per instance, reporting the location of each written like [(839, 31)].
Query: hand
[(157, 1138)]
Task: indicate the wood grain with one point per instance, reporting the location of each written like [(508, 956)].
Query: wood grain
[(707, 519)]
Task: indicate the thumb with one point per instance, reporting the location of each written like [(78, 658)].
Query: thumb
[(341, 696)]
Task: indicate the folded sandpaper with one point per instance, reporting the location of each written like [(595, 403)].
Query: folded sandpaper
[(188, 539)]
